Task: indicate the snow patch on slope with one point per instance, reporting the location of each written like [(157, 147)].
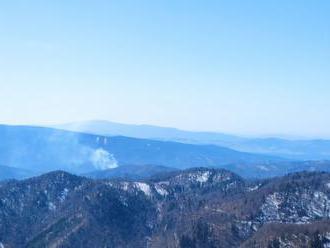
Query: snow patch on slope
[(253, 188), (145, 188), (298, 207), (202, 178), (161, 191), (64, 194), (328, 185)]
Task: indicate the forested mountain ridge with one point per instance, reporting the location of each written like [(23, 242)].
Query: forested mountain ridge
[(197, 207)]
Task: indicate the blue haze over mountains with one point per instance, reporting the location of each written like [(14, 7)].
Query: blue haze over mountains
[(300, 149), (45, 149), (105, 150)]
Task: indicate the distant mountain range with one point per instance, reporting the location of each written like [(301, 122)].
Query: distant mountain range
[(28, 151), (130, 172), (316, 149), (40, 150), (7, 172), (248, 171), (195, 208)]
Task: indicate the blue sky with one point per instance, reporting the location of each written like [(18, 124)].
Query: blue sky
[(247, 67)]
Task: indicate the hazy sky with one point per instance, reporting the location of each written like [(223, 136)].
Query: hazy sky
[(247, 67)]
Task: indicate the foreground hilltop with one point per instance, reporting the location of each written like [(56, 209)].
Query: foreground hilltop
[(198, 207)]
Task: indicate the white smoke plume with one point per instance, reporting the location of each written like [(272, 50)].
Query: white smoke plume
[(103, 160)]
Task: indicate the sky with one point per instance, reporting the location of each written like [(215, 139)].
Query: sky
[(244, 67)]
